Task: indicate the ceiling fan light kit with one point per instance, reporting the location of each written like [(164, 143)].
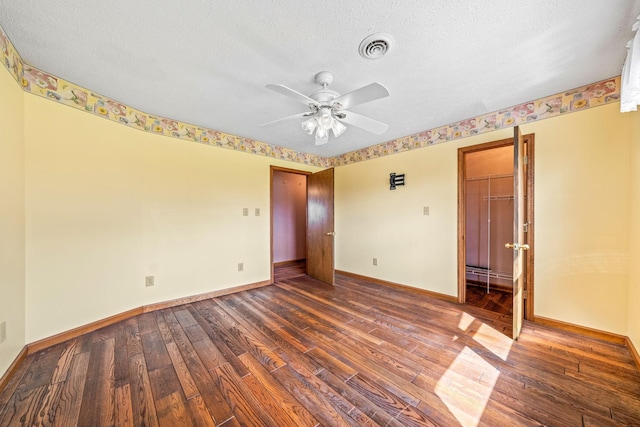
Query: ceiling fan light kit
[(321, 124), (328, 108)]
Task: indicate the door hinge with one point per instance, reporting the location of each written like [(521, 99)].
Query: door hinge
[(525, 160)]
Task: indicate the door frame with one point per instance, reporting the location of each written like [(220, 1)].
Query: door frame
[(529, 141), (272, 169)]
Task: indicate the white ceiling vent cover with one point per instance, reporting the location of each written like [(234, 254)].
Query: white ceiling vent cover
[(376, 46)]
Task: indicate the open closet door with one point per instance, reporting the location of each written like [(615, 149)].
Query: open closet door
[(320, 244), (518, 244)]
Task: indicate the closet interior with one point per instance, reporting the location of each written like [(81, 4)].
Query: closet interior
[(489, 220)]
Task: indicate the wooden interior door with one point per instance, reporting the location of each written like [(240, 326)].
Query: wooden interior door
[(518, 245), (320, 232)]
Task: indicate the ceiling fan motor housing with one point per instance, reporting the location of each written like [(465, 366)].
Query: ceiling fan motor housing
[(325, 95)]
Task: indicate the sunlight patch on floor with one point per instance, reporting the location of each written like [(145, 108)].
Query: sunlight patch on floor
[(495, 341), (465, 321), (462, 391)]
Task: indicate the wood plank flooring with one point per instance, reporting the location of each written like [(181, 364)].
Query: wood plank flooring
[(290, 270), (496, 300), (301, 353)]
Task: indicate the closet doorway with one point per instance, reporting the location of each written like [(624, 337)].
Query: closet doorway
[(486, 224), (288, 223), (489, 224), (302, 223)]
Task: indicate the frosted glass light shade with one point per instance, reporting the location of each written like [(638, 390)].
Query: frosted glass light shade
[(325, 120), (322, 133), (310, 125), (322, 141), (337, 128)]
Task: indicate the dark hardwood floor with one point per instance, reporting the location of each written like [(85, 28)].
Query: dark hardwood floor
[(290, 270), (301, 353), (496, 300)]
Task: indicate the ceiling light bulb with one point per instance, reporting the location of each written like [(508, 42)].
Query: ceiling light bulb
[(322, 133), (310, 125), (325, 119), (337, 128)]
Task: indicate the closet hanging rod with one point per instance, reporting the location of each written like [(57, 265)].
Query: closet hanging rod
[(497, 198), (483, 271), (479, 178)]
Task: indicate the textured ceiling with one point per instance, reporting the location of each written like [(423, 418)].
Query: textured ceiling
[(207, 62)]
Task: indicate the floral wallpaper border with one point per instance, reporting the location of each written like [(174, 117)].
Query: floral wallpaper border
[(593, 95), (40, 83)]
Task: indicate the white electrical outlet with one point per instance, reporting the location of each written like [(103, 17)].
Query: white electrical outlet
[(149, 281), (240, 266), (375, 261), (425, 210), (257, 211), (245, 211), (3, 331)]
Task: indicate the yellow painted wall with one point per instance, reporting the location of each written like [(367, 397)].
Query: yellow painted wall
[(582, 214), (375, 222), (107, 205), (12, 238), (634, 236)]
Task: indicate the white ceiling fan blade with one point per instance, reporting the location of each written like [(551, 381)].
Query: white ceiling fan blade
[(286, 119), (288, 92), (363, 122), (360, 96)]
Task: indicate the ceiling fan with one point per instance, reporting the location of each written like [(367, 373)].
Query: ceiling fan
[(328, 108)]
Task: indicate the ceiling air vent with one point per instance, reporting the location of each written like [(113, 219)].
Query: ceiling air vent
[(375, 46)]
